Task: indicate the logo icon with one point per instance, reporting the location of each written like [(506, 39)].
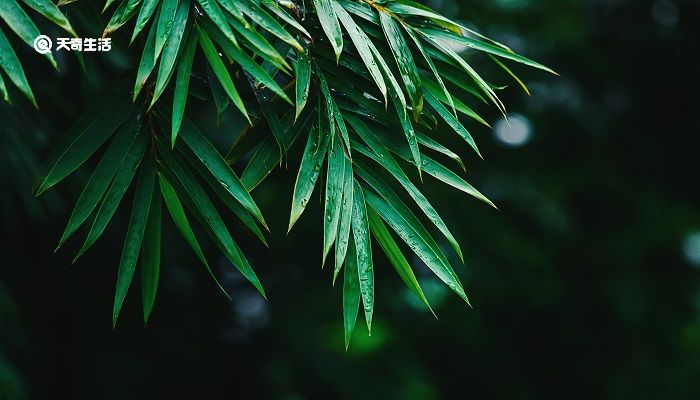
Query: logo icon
[(42, 44)]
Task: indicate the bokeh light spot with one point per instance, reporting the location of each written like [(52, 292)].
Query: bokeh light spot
[(515, 132)]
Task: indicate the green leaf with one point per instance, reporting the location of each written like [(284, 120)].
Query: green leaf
[(249, 65), (430, 63), (122, 15), (485, 47), (169, 10), (384, 158), (115, 193), (411, 231), (362, 44), (52, 13), (145, 13), (101, 177), (150, 256), (220, 70), (284, 16), (267, 22), (351, 295), (147, 63), (268, 153), (18, 20), (177, 212), (260, 44), (310, 167), (91, 130), (184, 70), (218, 167), (171, 50), (456, 103), (395, 256), (434, 145), (329, 23), (208, 215), (404, 60), (303, 79), (134, 233), (452, 121), (13, 68), (341, 246), (218, 18), (335, 176), (360, 233), (3, 90)]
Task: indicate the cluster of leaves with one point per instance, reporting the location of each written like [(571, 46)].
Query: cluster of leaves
[(371, 83)]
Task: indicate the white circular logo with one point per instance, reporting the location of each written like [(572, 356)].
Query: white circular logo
[(42, 44)]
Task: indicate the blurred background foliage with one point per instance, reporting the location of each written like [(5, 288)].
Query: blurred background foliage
[(585, 285)]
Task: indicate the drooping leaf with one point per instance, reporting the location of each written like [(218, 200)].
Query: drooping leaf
[(395, 256), (404, 60), (452, 121), (145, 13), (166, 22), (341, 247), (365, 269), (13, 68), (184, 70), (52, 13), (310, 168), (115, 193), (335, 176), (150, 256), (134, 233), (329, 23), (303, 79), (101, 177), (220, 70), (351, 295), (91, 130), (18, 20), (171, 49)]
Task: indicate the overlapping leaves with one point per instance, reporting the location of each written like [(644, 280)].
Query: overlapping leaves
[(371, 82)]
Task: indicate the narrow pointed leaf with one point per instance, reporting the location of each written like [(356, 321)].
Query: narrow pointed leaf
[(395, 256), (184, 70), (303, 79), (311, 161), (404, 60), (362, 44), (91, 130), (116, 192), (360, 234), (341, 247), (171, 50), (49, 10), (147, 63), (452, 121), (166, 22), (18, 20), (220, 71), (134, 234), (145, 13), (351, 295), (329, 23), (219, 19), (13, 68), (101, 177), (335, 176), (267, 22), (150, 256)]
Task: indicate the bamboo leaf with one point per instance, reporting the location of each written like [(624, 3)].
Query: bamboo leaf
[(13, 68), (150, 256), (341, 247), (171, 49), (18, 20), (184, 70), (52, 13), (303, 79), (134, 234), (365, 271), (395, 256), (101, 177), (452, 121), (310, 167), (351, 295), (220, 70), (145, 13), (362, 44), (115, 193), (329, 23), (219, 19), (335, 175)]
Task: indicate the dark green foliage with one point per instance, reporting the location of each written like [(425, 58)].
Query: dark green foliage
[(343, 60)]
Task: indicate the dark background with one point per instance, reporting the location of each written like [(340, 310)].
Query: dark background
[(585, 285)]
